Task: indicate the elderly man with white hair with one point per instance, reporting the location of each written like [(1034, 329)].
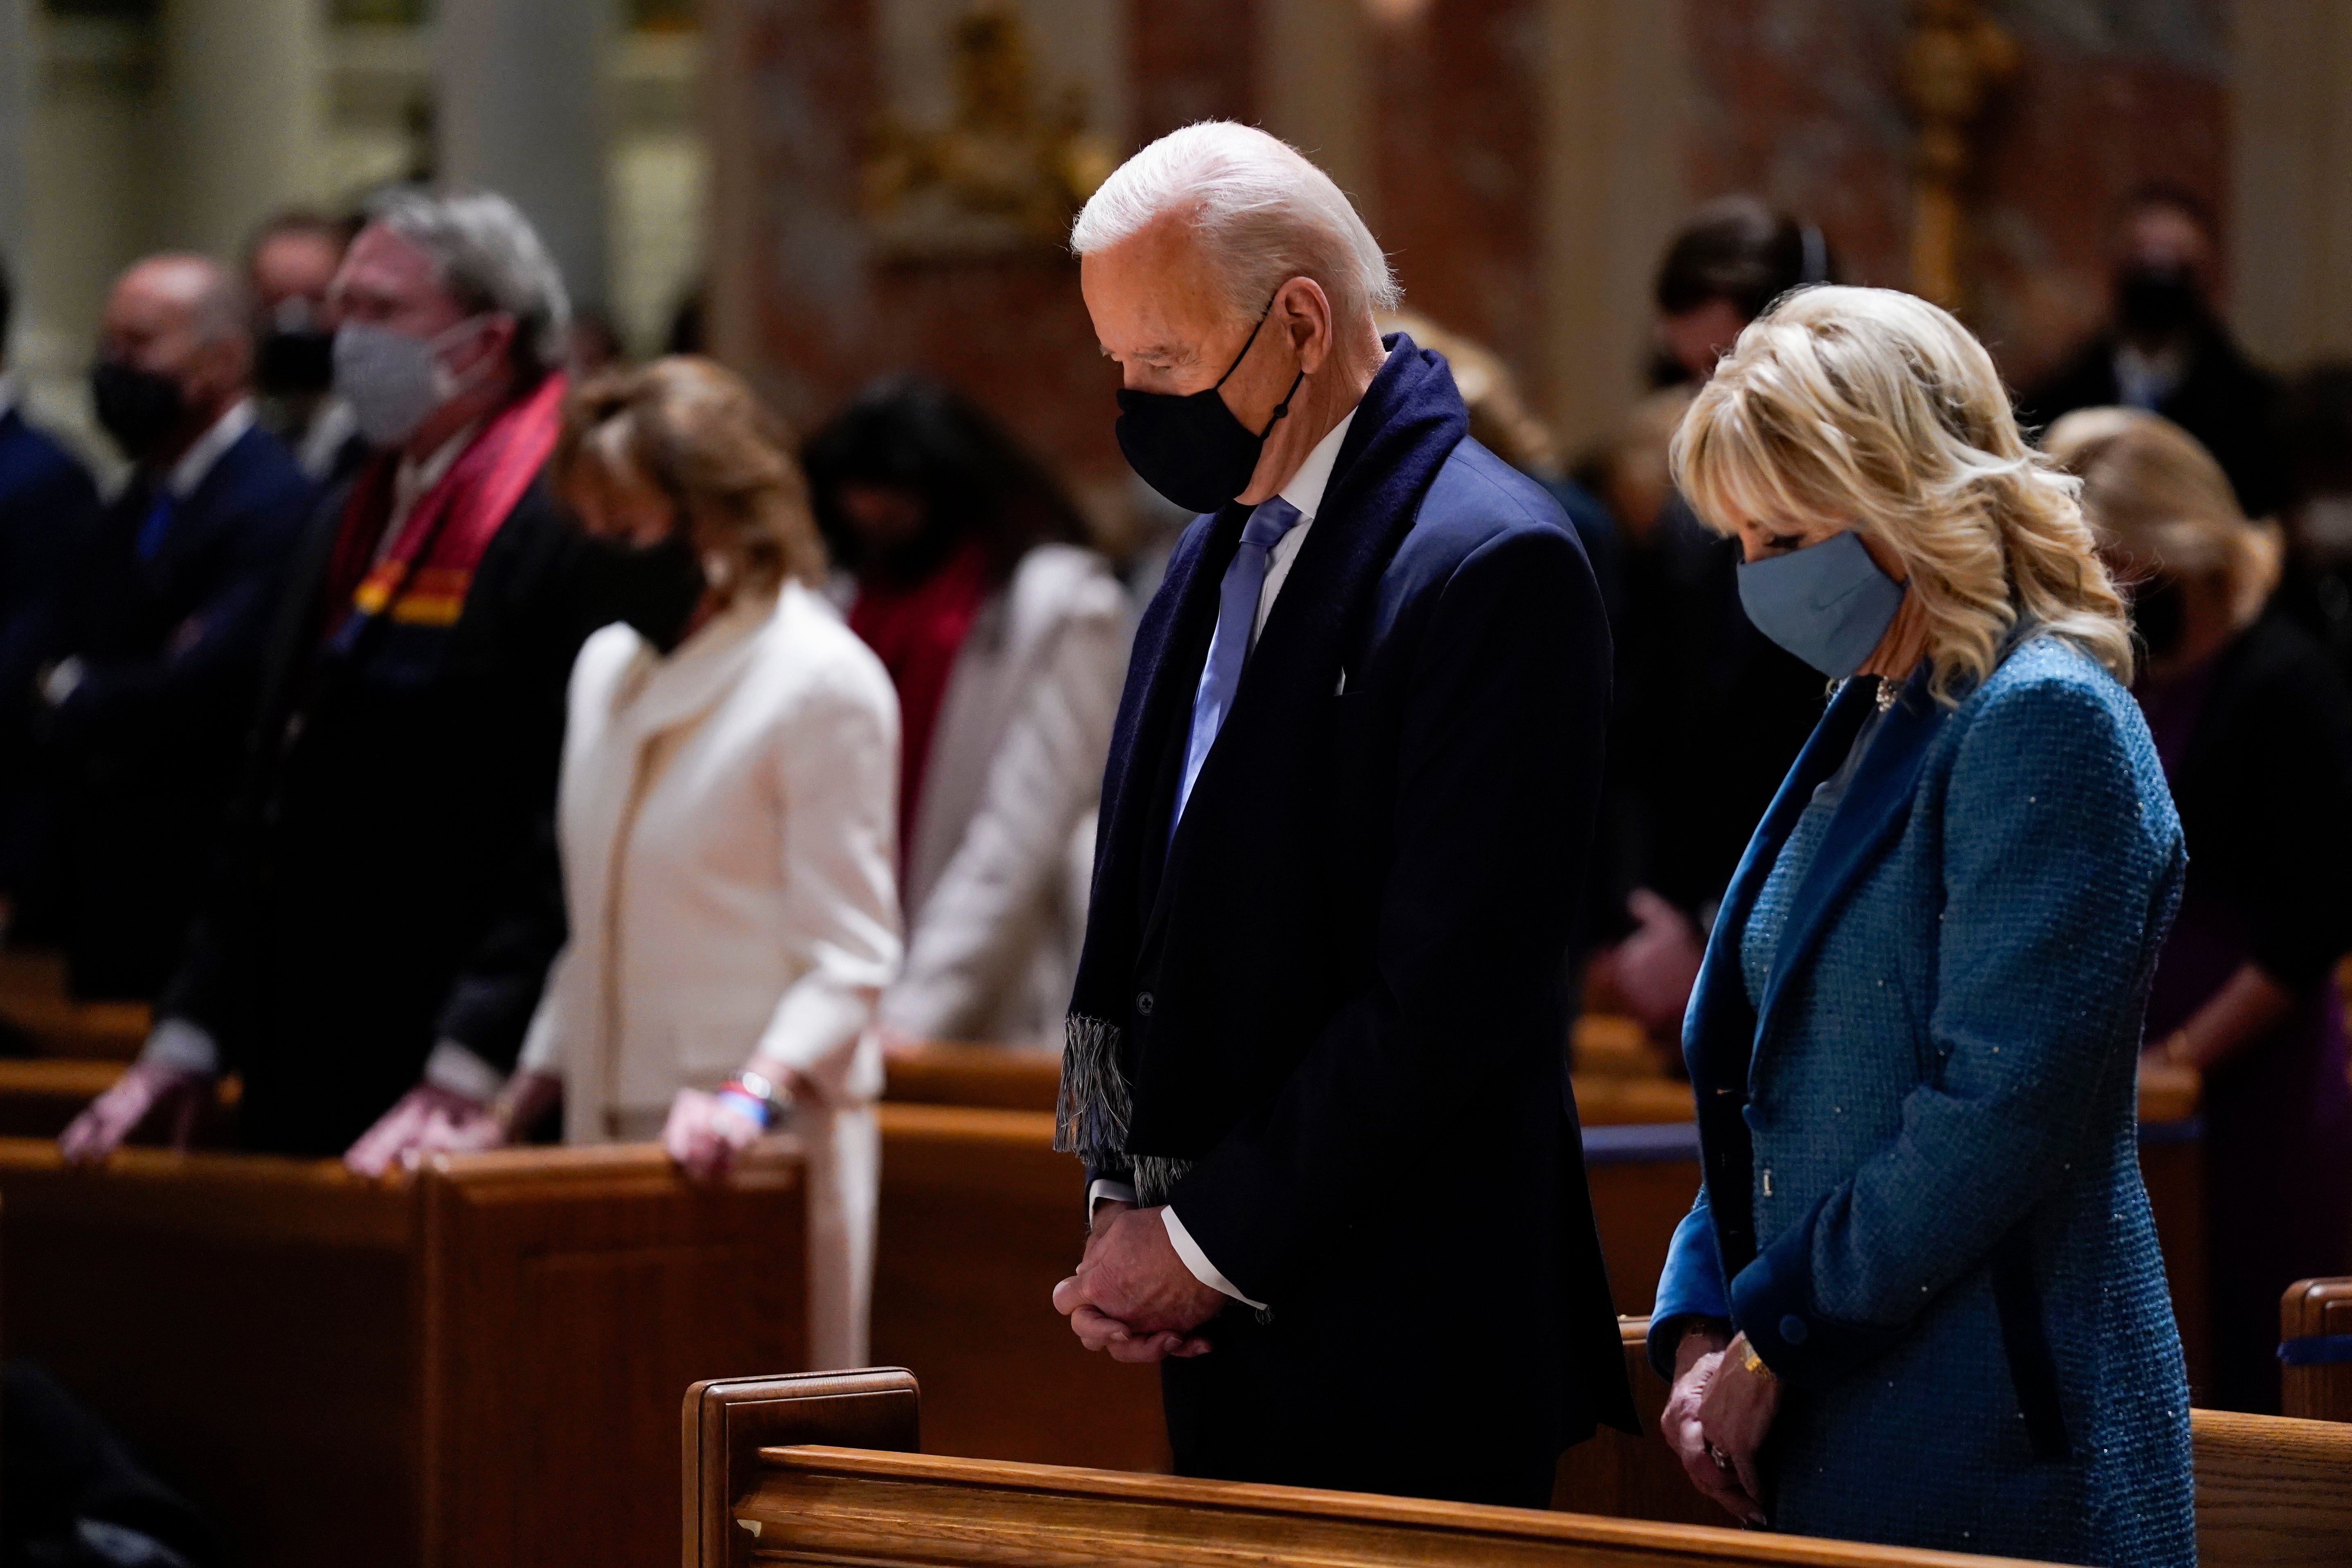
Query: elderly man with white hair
[(1316, 1062), (387, 905)]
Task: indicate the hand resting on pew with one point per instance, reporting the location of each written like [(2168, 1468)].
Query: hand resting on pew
[(148, 1093), (1132, 1295)]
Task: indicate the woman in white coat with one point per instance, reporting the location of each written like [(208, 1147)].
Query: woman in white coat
[(1006, 639), (727, 817)]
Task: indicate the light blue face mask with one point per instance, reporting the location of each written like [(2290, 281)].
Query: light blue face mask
[(1828, 603)]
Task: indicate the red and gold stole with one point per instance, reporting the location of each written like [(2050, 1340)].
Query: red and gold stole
[(423, 579)]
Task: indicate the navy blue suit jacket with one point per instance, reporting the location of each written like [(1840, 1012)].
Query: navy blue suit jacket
[(47, 505), (147, 746), (1339, 995), (170, 646)]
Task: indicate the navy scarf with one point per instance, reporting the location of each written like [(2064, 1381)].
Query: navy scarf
[(1259, 783)]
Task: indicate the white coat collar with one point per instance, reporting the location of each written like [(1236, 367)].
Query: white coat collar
[(656, 693)]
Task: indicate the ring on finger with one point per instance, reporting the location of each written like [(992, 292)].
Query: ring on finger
[(1722, 1460)]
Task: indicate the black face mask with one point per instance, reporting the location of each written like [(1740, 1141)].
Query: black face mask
[(295, 363), (2157, 301), (137, 407), (2160, 616), (655, 587), (1191, 449)]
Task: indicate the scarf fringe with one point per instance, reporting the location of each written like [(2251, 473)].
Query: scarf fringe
[(1090, 1114), (1156, 1176)]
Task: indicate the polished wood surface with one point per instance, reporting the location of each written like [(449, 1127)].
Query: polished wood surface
[(2272, 1492), (979, 1217), (2313, 1310), (833, 1505), (35, 1007), (404, 1372), (729, 1420)]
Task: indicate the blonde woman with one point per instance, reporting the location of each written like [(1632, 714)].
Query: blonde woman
[(1918, 1301), (726, 818), (2255, 732)]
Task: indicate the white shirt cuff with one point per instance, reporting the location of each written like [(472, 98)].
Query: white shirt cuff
[(61, 679), (1106, 1190), (454, 1067), (184, 1047), (1198, 1261)]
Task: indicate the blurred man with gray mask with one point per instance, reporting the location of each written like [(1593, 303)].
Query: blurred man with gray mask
[(381, 926)]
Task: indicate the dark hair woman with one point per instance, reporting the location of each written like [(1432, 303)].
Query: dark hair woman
[(1006, 638)]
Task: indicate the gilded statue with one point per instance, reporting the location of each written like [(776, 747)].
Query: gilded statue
[(1956, 59), (1005, 172)]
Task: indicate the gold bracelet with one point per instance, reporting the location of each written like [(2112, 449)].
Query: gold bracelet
[(1753, 1363)]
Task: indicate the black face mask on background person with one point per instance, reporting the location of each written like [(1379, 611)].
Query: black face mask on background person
[(1191, 449), (140, 408), (2156, 300), (295, 361), (2160, 615), (655, 587)]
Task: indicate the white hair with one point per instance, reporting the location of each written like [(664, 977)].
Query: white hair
[(487, 255), (1262, 213)]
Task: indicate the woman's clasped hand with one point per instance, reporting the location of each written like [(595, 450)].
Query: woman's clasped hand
[(1717, 1416)]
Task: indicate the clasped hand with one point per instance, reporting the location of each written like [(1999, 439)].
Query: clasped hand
[(1717, 1418), (1133, 1296)]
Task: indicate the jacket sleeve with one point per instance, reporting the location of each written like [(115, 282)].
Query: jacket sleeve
[(2059, 878), (990, 905), (226, 633), (1498, 777), (1690, 1287), (837, 765)]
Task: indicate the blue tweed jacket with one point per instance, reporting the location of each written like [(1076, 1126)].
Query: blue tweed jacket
[(1921, 1196)]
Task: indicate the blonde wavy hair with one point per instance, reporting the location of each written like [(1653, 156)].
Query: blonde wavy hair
[(2160, 502), (1873, 407), (695, 429)]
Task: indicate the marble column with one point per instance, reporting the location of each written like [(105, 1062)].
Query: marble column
[(2291, 174), (16, 86), (523, 110), (240, 118), (1616, 182)]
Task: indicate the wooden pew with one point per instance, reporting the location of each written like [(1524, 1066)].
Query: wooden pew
[(2316, 1346), (2272, 1492), (35, 1007), (480, 1366), (979, 1218), (820, 1470)]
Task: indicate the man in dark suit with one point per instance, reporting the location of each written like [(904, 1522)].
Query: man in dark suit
[(1315, 1066), (47, 504), (2169, 352), (380, 927), (163, 634)]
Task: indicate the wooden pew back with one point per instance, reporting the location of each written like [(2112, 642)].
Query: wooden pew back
[(978, 1219), (403, 1372), (2316, 1348), (760, 1491)]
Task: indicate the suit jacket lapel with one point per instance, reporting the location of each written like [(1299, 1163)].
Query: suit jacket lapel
[(1719, 1033), (1876, 805)]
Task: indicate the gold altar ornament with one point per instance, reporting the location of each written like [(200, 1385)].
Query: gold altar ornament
[(1004, 173), (1956, 59)]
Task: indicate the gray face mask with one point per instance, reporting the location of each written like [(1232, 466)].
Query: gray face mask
[(1828, 603), (393, 381)]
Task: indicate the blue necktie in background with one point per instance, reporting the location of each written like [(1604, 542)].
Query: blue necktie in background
[(158, 524), (1229, 649)]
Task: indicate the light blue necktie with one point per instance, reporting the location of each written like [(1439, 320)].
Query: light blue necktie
[(1229, 649)]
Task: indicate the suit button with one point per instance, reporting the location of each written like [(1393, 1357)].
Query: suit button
[(1143, 1002), (1793, 1330)]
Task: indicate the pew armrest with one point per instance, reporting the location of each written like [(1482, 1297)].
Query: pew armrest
[(729, 1420)]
